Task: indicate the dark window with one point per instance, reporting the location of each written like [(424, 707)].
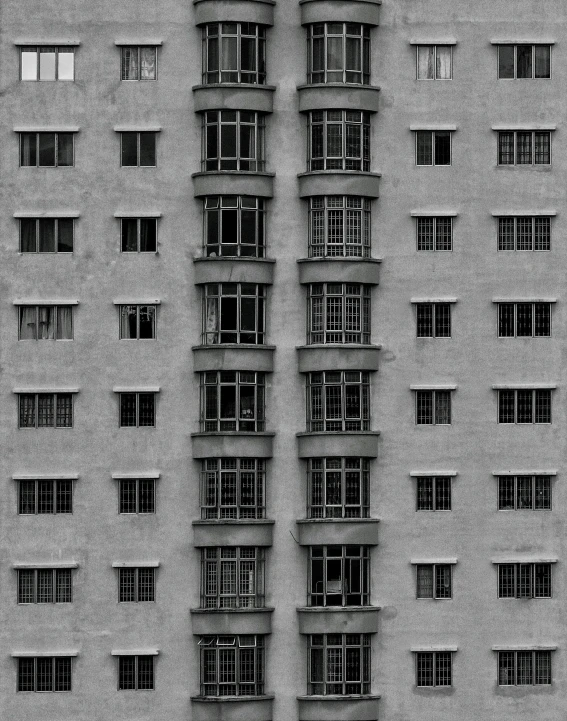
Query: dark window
[(232, 401), (44, 673), (524, 668), (46, 150), (234, 226), (339, 576), (434, 668), (338, 488), (233, 140), (524, 320), (524, 147), (45, 585), (524, 406), (232, 577), (339, 225), (524, 61), (137, 321), (433, 407), (233, 488), (232, 665), (517, 493), (338, 401), (524, 233), (137, 409), (138, 149), (45, 322), (136, 585), (524, 580), (45, 496), (338, 53), (42, 410), (338, 140), (234, 53), (338, 664), (433, 493), (433, 147), (434, 233), (338, 313), (434, 581), (136, 495), (138, 235), (46, 235), (136, 673), (233, 313), (433, 320)]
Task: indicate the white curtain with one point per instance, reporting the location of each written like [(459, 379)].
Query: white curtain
[(444, 62), (425, 55), (28, 328)]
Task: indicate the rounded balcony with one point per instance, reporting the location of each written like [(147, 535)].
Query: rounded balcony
[(231, 532), (258, 11), (338, 708), (231, 621), (339, 269), (232, 444), (224, 269), (233, 182), (329, 96), (339, 182), (325, 356), (233, 357), (319, 444), (352, 11), (334, 619), (232, 708), (346, 531), (234, 96)]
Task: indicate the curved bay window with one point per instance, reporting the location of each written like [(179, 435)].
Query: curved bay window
[(338, 401), (232, 665), (232, 401), (233, 140), (234, 53), (233, 488), (232, 577), (339, 576), (338, 313), (339, 226), (233, 313), (339, 664), (338, 488), (338, 140), (234, 226), (338, 53)]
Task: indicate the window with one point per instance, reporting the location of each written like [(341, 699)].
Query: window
[(433, 580), (524, 147), (339, 576), (44, 410), (434, 62), (338, 401), (45, 322), (232, 577), (233, 140), (524, 406), (137, 409), (44, 673), (433, 668), (232, 401), (138, 235), (233, 488), (338, 313), (234, 226), (524, 668), (45, 496), (338, 53), (338, 140), (46, 150), (138, 62), (47, 63), (433, 320), (234, 53), (138, 149), (524, 580), (45, 585), (524, 493), (232, 665), (339, 664), (233, 313), (433, 493), (135, 673), (524, 233), (524, 61), (137, 321), (433, 407), (524, 320), (433, 147), (46, 235), (434, 233), (137, 495), (338, 488), (339, 225), (136, 585)]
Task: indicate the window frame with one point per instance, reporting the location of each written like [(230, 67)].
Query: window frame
[(516, 320), (57, 662), (122, 310), (138, 134), (435, 668), (364, 53), (535, 655), (436, 411), (439, 328), (139, 48), (324, 212), (214, 300), (59, 577), (342, 564), (534, 405), (225, 577), (360, 162), (56, 134), (56, 320), (516, 491), (323, 642), (538, 235), (438, 234), (54, 492), (253, 653), (433, 134), (533, 61), (137, 409), (339, 309), (139, 220), (516, 151), (320, 406), (213, 510), (222, 210), (435, 493), (341, 469), (138, 494), (217, 119), (523, 582), (136, 672), (437, 572), (259, 37), (136, 584), (240, 420), (55, 396), (56, 235), (434, 46), (66, 49)]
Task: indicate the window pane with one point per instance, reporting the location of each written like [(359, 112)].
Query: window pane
[(524, 61), (147, 321), (127, 496), (130, 63), (506, 237), (505, 148), (424, 320), (65, 235), (523, 148), (47, 64), (64, 329), (46, 149), (129, 228), (542, 61), (147, 63), (127, 409), (129, 149), (64, 497), (542, 155), (442, 147), (505, 61), (66, 64), (424, 581), (28, 149), (28, 235), (443, 62), (27, 497), (64, 149), (126, 672), (147, 149), (148, 235), (29, 64), (147, 409), (424, 147), (28, 323), (46, 235), (425, 60)]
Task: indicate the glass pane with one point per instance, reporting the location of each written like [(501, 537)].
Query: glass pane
[(424, 142), (65, 235), (64, 330), (148, 235), (505, 61), (542, 61), (147, 63), (425, 59), (443, 67), (442, 147), (28, 238), (524, 61), (47, 64), (147, 149), (66, 64), (129, 149), (129, 235), (28, 149), (64, 149), (130, 63), (29, 64), (46, 235), (46, 149)]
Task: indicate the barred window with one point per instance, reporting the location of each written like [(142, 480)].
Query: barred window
[(234, 53), (339, 225), (137, 322), (338, 488), (434, 580), (524, 320), (137, 495), (434, 668), (136, 673), (45, 585), (433, 320), (434, 233), (234, 313), (136, 585), (232, 665), (45, 496), (46, 150), (338, 53), (524, 668), (233, 488), (433, 147), (232, 577), (524, 580), (232, 401), (234, 226), (338, 140), (47, 63), (433, 407), (524, 61), (138, 235), (44, 673), (138, 62), (524, 233), (434, 62), (46, 235), (338, 313), (433, 493), (45, 410), (137, 409), (339, 576), (517, 493), (233, 140), (338, 664), (524, 406), (338, 401), (524, 147)]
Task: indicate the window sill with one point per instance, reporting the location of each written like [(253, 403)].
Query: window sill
[(346, 531), (234, 96), (328, 356), (339, 269), (213, 533), (329, 96), (318, 444), (233, 444), (223, 269), (229, 621), (349, 619), (339, 182), (233, 182)]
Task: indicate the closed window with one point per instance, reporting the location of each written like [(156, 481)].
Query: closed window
[(233, 313), (45, 496), (338, 140), (433, 580), (137, 321), (138, 149), (433, 668), (338, 313), (433, 147), (524, 406), (524, 147), (524, 668), (47, 63), (135, 673), (338, 53), (232, 665), (46, 150), (524, 233), (136, 585), (339, 576), (138, 235), (45, 322), (232, 401), (524, 61), (233, 488), (524, 580), (524, 320), (338, 664), (137, 409), (433, 493), (524, 493), (339, 225), (433, 320), (232, 577), (137, 495), (338, 488), (46, 410), (138, 62), (233, 140), (338, 401), (434, 62), (44, 673), (434, 233), (45, 585), (234, 226), (234, 53), (433, 407), (46, 235)]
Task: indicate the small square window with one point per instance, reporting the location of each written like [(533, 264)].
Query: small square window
[(136, 495), (138, 235), (433, 147), (137, 322), (137, 409), (138, 149), (434, 62), (138, 62)]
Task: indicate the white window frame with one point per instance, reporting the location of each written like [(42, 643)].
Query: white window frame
[(433, 132), (67, 49)]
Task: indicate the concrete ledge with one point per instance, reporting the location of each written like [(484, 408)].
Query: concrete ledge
[(233, 182), (234, 270), (211, 534), (257, 11), (337, 443), (232, 708), (338, 182), (232, 444), (344, 270), (329, 96), (229, 621), (329, 357), (346, 531), (354, 619), (232, 357), (338, 708), (350, 11), (234, 96)]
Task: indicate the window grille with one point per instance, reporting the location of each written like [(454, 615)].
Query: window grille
[(232, 401), (433, 147), (233, 488), (138, 235), (338, 53), (137, 409), (338, 664), (339, 576), (434, 668), (532, 320), (524, 668), (234, 226), (524, 233), (137, 495), (338, 401), (45, 585), (46, 235), (233, 140), (136, 673), (524, 406), (338, 140), (524, 147), (234, 313), (232, 577), (434, 580), (232, 665), (43, 410), (516, 493), (138, 62), (433, 407), (524, 61), (433, 320), (338, 488), (433, 493), (338, 313), (47, 63), (46, 150), (434, 233), (45, 496), (136, 585), (44, 673), (524, 580), (339, 226), (234, 53)]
